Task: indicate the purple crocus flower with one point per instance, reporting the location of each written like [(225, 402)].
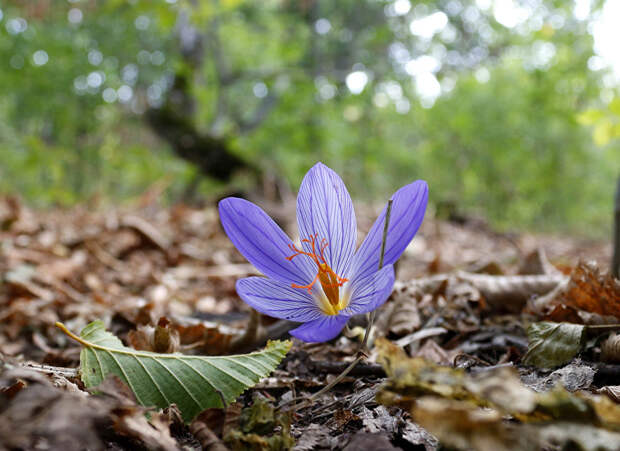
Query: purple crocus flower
[(325, 281)]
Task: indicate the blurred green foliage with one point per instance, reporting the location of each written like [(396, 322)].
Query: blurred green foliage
[(519, 132)]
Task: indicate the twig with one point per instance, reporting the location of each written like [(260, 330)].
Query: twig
[(362, 369), (420, 335), (54, 370), (338, 378)]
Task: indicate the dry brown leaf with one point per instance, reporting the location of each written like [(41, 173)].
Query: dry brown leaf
[(536, 262), (162, 338), (63, 268), (612, 391), (40, 413), (147, 230), (610, 349), (404, 316), (432, 352), (206, 338), (342, 417), (153, 433), (588, 297)]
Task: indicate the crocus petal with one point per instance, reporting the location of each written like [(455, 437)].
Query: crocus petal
[(370, 292), (324, 207), (322, 329), (262, 242), (408, 208), (278, 299)]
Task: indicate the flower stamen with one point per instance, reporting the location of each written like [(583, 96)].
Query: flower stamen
[(330, 281)]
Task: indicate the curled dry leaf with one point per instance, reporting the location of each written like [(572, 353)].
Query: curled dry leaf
[(153, 433), (403, 316), (147, 230), (206, 337), (311, 437), (536, 262), (610, 349), (588, 297), (612, 392), (207, 438), (162, 338), (511, 293)]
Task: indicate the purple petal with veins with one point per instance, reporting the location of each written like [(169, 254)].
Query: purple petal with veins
[(324, 208), (278, 299), (322, 329), (262, 241)]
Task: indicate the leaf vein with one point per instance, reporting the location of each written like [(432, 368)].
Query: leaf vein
[(161, 392), (125, 375), (180, 382)]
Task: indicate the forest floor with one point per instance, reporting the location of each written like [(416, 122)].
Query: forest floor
[(446, 366)]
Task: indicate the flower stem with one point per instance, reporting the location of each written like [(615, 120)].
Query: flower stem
[(371, 317), (361, 353)]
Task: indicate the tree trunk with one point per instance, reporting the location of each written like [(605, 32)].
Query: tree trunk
[(173, 123)]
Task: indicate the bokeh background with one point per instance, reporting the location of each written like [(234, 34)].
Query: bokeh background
[(510, 109)]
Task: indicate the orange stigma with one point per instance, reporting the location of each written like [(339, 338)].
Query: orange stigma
[(330, 281)]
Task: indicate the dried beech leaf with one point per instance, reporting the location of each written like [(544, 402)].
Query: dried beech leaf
[(588, 297), (404, 317), (193, 383), (552, 344)]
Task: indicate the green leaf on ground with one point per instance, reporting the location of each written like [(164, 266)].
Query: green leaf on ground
[(553, 344), (193, 383)]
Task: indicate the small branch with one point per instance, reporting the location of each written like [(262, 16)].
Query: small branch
[(362, 369), (53, 370), (602, 328), (420, 335)]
